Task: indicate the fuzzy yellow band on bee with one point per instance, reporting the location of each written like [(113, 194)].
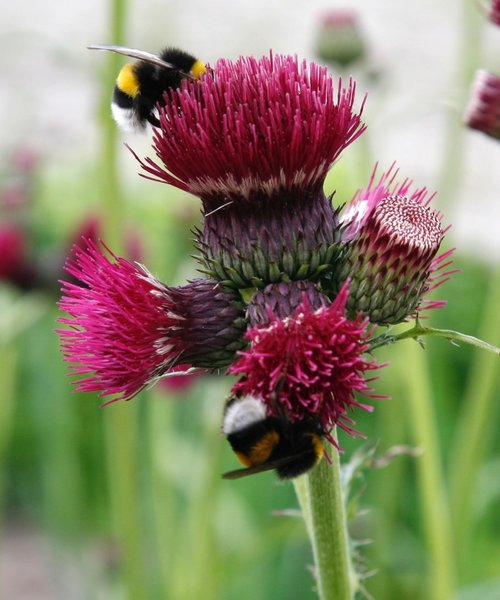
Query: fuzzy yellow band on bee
[(198, 69), (261, 451), (127, 81), (318, 446)]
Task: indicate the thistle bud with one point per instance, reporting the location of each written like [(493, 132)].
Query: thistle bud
[(390, 252), (483, 110), (281, 300), (340, 40)]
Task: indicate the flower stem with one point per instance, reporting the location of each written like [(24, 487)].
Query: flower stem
[(9, 359), (203, 553), (433, 500), (322, 501), (476, 424), (301, 491), (121, 419), (123, 468), (110, 177), (159, 422), (468, 57), (418, 331)]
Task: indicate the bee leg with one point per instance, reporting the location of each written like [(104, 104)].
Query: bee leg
[(153, 120)]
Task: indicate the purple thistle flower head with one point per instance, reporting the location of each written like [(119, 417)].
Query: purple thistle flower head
[(494, 13), (308, 365), (126, 328), (16, 266), (483, 111), (254, 126), (391, 237), (255, 140)]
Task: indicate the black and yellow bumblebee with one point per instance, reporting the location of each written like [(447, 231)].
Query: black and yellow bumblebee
[(140, 84), (264, 443)]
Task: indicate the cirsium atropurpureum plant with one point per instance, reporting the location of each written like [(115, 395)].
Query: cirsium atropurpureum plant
[(292, 288)]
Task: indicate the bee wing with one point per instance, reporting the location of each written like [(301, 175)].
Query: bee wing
[(266, 466), (140, 55), (269, 466)]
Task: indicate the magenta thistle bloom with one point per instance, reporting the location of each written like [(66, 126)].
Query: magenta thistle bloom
[(392, 238), (16, 267), (254, 127), (126, 328), (255, 141), (494, 14), (309, 364), (483, 110)]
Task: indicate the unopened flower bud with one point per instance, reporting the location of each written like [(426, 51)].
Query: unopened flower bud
[(390, 252), (340, 39), (281, 300), (483, 111)]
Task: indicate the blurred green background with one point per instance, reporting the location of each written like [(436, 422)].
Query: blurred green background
[(126, 502)]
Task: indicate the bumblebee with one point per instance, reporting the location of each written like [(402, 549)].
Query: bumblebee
[(140, 84), (264, 443)]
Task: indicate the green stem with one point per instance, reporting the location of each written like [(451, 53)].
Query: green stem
[(325, 517), (123, 470), (9, 355), (476, 424), (204, 553), (110, 177), (418, 331), (432, 495), (160, 419), (300, 485), (468, 58), (121, 418), (388, 495), (197, 550)]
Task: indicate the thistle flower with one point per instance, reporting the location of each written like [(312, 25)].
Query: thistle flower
[(339, 39), (15, 265), (309, 364), (494, 14), (282, 299), (391, 237), (255, 141), (483, 111), (126, 328)]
